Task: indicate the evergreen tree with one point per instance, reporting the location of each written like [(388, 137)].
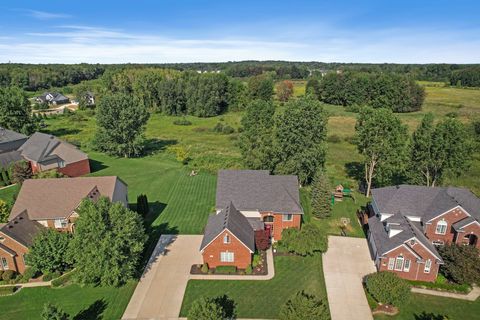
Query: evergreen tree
[(300, 138), (321, 196), (52, 312), (121, 121), (256, 140), (107, 244)]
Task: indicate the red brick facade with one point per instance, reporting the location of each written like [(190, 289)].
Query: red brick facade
[(242, 257), (450, 218), (471, 230), (15, 261), (280, 222), (417, 256), (76, 169)]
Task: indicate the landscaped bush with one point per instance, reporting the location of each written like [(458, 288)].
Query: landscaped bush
[(461, 263), (256, 259), (304, 306), (226, 269), (29, 273), (51, 275), (387, 287), (64, 279), (307, 241), (442, 284), (142, 205), (221, 307), (205, 268), (221, 128), (249, 269), (8, 275), (182, 122), (262, 241), (7, 290)]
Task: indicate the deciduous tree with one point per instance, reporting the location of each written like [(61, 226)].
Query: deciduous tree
[(219, 308), (21, 171), (306, 241), (53, 312), (48, 252), (260, 87), (304, 306), (15, 111), (284, 90), (388, 287), (461, 263)]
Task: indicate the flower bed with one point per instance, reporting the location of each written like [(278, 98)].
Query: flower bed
[(260, 267), (441, 284)]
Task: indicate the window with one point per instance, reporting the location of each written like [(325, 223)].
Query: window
[(287, 217), (438, 243), (4, 263), (428, 266), (226, 238), (441, 227), (399, 263), (61, 164), (391, 263), (226, 256), (268, 219), (61, 223), (406, 266)]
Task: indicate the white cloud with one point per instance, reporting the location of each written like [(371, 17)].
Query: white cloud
[(43, 15)]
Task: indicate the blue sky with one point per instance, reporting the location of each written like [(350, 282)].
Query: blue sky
[(163, 31)]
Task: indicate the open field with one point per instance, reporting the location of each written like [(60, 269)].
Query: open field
[(263, 299)]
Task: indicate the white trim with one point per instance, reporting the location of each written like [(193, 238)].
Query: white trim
[(287, 220), (391, 263), (425, 269), (13, 255), (399, 258), (405, 269), (411, 250), (457, 207), (441, 223), (201, 250), (14, 240), (474, 221)]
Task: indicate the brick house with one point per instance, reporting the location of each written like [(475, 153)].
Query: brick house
[(407, 223), (46, 152), (51, 203), (266, 202)]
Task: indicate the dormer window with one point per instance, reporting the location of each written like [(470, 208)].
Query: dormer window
[(226, 239), (441, 227)]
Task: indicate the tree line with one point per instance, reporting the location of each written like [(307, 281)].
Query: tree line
[(468, 77), (398, 93)]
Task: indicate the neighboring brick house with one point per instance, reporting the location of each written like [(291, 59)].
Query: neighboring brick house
[(10, 141), (228, 240), (46, 152), (247, 202), (51, 203), (407, 222)]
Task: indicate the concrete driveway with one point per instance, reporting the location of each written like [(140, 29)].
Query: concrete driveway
[(159, 293), (345, 264)]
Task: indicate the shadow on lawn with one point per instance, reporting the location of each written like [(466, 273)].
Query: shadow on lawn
[(429, 316), (93, 312), (62, 132), (154, 145), (96, 165)]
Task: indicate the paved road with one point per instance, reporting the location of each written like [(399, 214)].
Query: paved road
[(345, 264), (159, 293)]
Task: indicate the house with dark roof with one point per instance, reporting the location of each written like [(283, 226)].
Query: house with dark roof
[(54, 98), (247, 202), (407, 223), (10, 141), (50, 203), (47, 152)]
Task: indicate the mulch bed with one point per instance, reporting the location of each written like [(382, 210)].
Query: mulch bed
[(260, 270), (387, 309)]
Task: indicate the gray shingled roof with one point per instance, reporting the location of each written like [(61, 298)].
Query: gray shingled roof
[(457, 226), (425, 202), (22, 229), (10, 140), (229, 218), (7, 158), (258, 190), (384, 243)]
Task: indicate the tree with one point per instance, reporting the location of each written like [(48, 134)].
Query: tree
[(461, 263), (262, 240), (21, 171), (52, 312), (284, 90), (4, 211), (142, 205), (313, 87), (321, 196), (107, 243), (381, 139), (300, 138), (421, 151), (212, 309), (304, 306), (15, 111), (121, 120), (306, 241), (387, 287), (261, 87), (256, 140), (48, 251)]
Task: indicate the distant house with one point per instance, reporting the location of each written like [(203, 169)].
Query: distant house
[(89, 99), (407, 223), (50, 203), (248, 201), (46, 152), (54, 98), (10, 141)]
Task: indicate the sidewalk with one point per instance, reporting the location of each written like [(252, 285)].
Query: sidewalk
[(29, 284), (471, 296), (268, 276)]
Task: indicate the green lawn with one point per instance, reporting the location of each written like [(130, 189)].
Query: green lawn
[(83, 302), (263, 299), (7, 194), (424, 307)]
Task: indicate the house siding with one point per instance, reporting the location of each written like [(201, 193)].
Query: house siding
[(279, 225), (417, 266), (76, 169), (450, 217), (211, 253), (15, 262)]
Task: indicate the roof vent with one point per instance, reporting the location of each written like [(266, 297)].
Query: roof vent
[(20, 218), (15, 222), (10, 226)]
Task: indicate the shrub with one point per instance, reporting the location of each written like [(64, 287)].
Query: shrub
[(334, 138), (1, 274), (205, 268), (249, 269), (256, 259), (218, 127), (7, 290), (226, 269), (182, 122), (461, 263), (51, 275), (307, 241), (228, 130), (52, 312), (21, 171), (262, 241), (212, 309), (29, 273), (142, 205), (304, 306), (64, 279), (4, 211), (8, 275), (387, 287)]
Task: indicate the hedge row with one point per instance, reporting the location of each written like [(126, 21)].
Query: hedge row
[(63, 280)]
